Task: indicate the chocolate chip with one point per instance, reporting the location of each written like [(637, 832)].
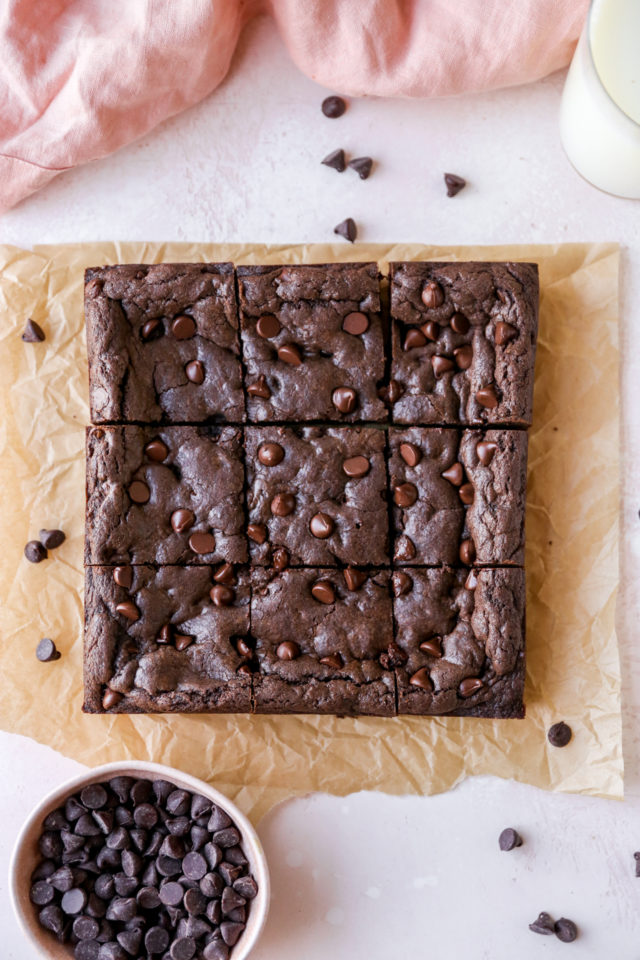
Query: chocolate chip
[(270, 454), (565, 930), (268, 326), (393, 657), (111, 698), (469, 686), (362, 166), (183, 949), (432, 647), (333, 660), (487, 397), (33, 332), (222, 595), (466, 493), (46, 651), (454, 474), (129, 610), (509, 839), (145, 815), (559, 734), (168, 866), (243, 648), (405, 495), (123, 576), (431, 330), (194, 866), (178, 803), (467, 552), (323, 591), (283, 504), (432, 295), (157, 450), (401, 583), (171, 893), (354, 579), (182, 519), (347, 229), (280, 559), (411, 454), (201, 542), (86, 928), (543, 924), (50, 539), (441, 365), (225, 574), (257, 532), (231, 932), (404, 549), (335, 160), (152, 329), (216, 950), (421, 679), (344, 399), (156, 940), (259, 388), (454, 184), (463, 357), (392, 392), (130, 940), (504, 332), (52, 918), (139, 492), (459, 324), (290, 353), (228, 837), (94, 796), (166, 634), (472, 580), (50, 845), (355, 323), (287, 650), (321, 526), (333, 107), (414, 338), (73, 901), (485, 450), (356, 467), (87, 950), (195, 372), (246, 887), (41, 893), (183, 327), (34, 551)]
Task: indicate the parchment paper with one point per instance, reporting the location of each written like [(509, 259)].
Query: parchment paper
[(572, 553)]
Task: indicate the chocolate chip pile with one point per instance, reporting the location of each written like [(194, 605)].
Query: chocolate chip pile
[(135, 868)]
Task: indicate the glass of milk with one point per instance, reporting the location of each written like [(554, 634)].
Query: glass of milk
[(600, 111)]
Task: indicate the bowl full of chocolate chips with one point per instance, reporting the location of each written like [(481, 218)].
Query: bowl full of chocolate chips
[(139, 860)]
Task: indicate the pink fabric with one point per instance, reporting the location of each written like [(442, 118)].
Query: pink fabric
[(81, 78)]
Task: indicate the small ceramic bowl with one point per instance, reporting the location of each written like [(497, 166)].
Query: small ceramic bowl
[(26, 854)]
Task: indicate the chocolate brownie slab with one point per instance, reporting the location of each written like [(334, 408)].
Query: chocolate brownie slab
[(463, 342), (319, 635), (317, 492), (458, 495), (312, 342), (164, 495), (459, 645), (166, 640), (163, 344)]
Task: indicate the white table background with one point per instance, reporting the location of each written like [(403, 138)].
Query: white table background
[(372, 876)]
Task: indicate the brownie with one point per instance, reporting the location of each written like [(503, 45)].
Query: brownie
[(458, 495), (163, 344), (317, 492), (460, 641), (164, 495), (312, 342), (318, 642), (165, 640), (463, 342)]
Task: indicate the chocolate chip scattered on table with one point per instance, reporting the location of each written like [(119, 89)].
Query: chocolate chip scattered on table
[(133, 865), (509, 839), (347, 229), (33, 332), (333, 107), (560, 734)]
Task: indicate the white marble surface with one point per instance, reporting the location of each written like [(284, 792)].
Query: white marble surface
[(373, 876)]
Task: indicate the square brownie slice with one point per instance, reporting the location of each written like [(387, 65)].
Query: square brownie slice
[(463, 342), (458, 495), (319, 635), (162, 343), (164, 495), (312, 342), (166, 640), (460, 641), (316, 495)]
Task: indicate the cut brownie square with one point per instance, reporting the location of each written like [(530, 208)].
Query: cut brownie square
[(463, 342), (312, 342), (163, 343), (319, 635), (164, 495), (460, 641), (458, 495), (318, 493), (166, 640)]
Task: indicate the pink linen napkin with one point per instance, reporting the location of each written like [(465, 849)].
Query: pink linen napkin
[(81, 78)]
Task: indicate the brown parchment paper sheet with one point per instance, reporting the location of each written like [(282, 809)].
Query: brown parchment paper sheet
[(572, 552)]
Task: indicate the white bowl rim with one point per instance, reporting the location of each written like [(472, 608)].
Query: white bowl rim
[(250, 839)]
